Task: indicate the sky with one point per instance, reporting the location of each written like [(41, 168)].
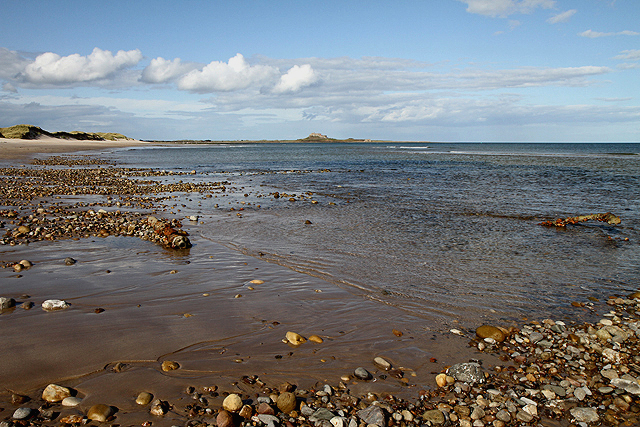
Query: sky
[(429, 70)]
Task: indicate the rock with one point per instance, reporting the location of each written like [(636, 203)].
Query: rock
[(71, 401), (487, 331), (381, 363), (22, 413), (441, 380), (362, 374), (69, 261), (6, 303), (73, 419), (144, 398), (534, 337), (503, 415), (19, 399), (295, 338), (232, 403), (585, 415), (321, 414), (467, 372), (159, 408), (224, 419), (338, 422), (170, 365), (268, 419), (26, 263), (581, 392), (627, 385), (524, 416), (55, 393), (54, 305), (286, 402), (265, 408), (100, 413), (316, 339), (246, 412), (434, 416), (373, 415)]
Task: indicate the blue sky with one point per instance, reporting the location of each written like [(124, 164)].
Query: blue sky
[(437, 70)]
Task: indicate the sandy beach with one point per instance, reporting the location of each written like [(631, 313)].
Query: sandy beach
[(193, 326)]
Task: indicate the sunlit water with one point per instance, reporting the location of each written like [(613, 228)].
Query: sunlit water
[(444, 231)]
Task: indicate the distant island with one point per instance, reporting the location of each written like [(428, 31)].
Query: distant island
[(34, 132), (313, 137)]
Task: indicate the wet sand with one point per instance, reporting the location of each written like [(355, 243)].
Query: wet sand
[(13, 149), (135, 304)]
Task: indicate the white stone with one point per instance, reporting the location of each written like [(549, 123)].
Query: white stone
[(54, 304), (71, 401)]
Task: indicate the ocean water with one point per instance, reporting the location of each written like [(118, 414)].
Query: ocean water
[(447, 232)]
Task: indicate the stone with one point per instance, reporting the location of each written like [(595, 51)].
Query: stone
[(585, 415), (321, 414), (265, 408), (295, 338), (6, 303), (434, 416), (503, 415), (534, 337), (54, 305), (524, 416), (382, 363), (268, 419), (72, 419), (224, 419), (373, 415), (159, 408), (22, 413), (232, 403), (487, 331), (71, 401), (100, 413), (477, 413), (338, 422), (26, 263), (467, 372), (316, 339), (441, 380), (246, 412), (627, 385), (55, 393), (286, 402), (362, 373), (144, 398), (69, 261), (170, 365)]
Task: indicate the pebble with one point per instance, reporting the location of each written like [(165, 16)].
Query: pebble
[(232, 403), (144, 398), (373, 415), (71, 401), (434, 416), (294, 338), (69, 261), (54, 305), (286, 402), (6, 303), (585, 415), (362, 374), (100, 413), (159, 408), (467, 372), (170, 365), (22, 413), (382, 363), (224, 419), (55, 393), (316, 339), (487, 331)]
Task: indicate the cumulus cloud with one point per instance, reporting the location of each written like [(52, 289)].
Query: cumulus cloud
[(504, 8), (224, 77), (162, 70), (562, 17), (51, 68), (295, 79), (595, 34), (11, 63)]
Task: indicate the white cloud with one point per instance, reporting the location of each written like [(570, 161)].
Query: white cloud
[(504, 8), (224, 77), (629, 55), (162, 70), (562, 17), (296, 78), (594, 34), (11, 63), (51, 68)]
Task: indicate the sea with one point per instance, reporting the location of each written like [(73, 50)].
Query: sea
[(448, 232)]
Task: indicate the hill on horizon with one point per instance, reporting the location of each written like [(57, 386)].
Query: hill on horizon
[(34, 132)]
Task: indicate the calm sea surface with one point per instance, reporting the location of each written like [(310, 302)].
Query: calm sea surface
[(445, 231)]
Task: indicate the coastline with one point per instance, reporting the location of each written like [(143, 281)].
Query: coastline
[(199, 308), (14, 149)]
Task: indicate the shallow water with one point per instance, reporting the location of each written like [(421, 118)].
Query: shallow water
[(443, 231)]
